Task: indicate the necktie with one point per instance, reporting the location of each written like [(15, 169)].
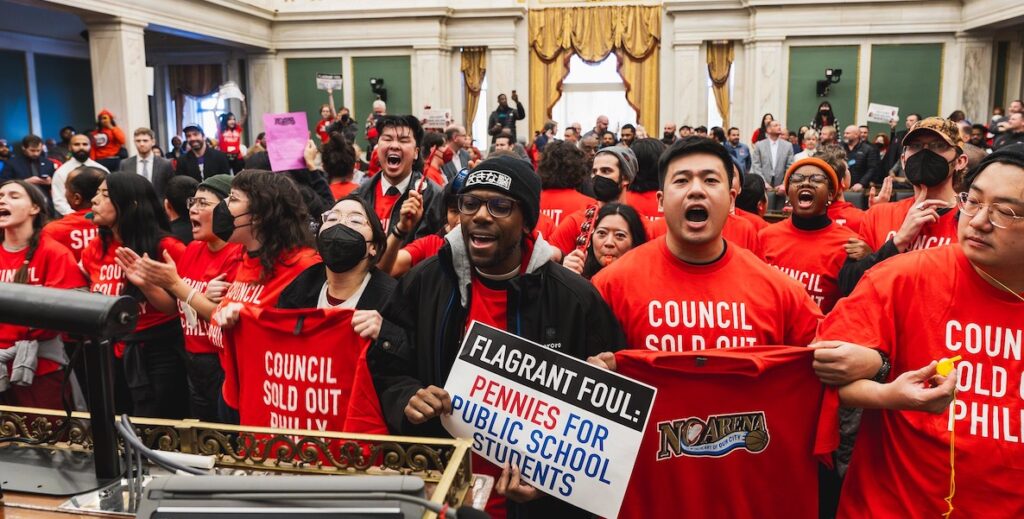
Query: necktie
[(145, 168), (393, 191)]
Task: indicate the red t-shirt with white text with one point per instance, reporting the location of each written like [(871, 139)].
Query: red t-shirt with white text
[(813, 258), (919, 307), (230, 140), (197, 267), (759, 223), (74, 231), (731, 434), (557, 203), (882, 222), (663, 303), (848, 215)]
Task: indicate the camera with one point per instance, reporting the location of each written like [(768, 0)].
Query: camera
[(377, 86), (832, 76)]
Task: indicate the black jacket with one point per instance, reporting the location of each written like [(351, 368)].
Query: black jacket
[(502, 119), (19, 167), (215, 162), (433, 219), (864, 164), (548, 304)]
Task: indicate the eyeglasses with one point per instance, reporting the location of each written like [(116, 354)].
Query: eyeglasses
[(498, 207), (817, 178), (349, 219), (999, 215), (936, 146), (200, 201)]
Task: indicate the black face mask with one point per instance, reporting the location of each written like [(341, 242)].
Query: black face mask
[(223, 221), (927, 168), (605, 189), (80, 156), (341, 247)]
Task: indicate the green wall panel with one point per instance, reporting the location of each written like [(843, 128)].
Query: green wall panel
[(906, 76), (65, 94), (806, 66), (395, 70), (303, 96), (14, 117)]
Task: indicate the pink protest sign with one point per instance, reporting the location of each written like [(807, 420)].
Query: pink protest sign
[(287, 135)]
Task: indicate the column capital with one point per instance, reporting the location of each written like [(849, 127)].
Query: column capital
[(113, 23)]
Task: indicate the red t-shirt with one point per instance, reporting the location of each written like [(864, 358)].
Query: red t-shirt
[(340, 190), (230, 140), (52, 266), (423, 248), (364, 415), (723, 419), (74, 231), (919, 307), (292, 369), (846, 214), (883, 220), (561, 202), (321, 129), (645, 203), (813, 258), (106, 277), (488, 305), (106, 142), (736, 230), (199, 265), (564, 236), (758, 222), (663, 303), (545, 226)]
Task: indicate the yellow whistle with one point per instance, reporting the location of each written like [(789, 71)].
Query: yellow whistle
[(945, 366)]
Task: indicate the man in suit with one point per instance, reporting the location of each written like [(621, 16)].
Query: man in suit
[(31, 165), (771, 157), (157, 170), (456, 137), (201, 161)]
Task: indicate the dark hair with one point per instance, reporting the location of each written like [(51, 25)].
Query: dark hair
[(685, 127), (141, 220), (112, 121), (179, 189), (822, 119), (39, 200), (508, 136), (627, 126), (1010, 155), (834, 155), (450, 133), (430, 140), (981, 128), (563, 165), (86, 181), (401, 121), (223, 121), (763, 130), (615, 140), (692, 146), (752, 194), (636, 231), (280, 220), (957, 116), (551, 125), (31, 140), (915, 114), (378, 237), (718, 133), (701, 129), (339, 157), (864, 126), (72, 128), (731, 128), (647, 152)]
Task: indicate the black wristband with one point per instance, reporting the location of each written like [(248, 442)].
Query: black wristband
[(398, 234), (883, 372)]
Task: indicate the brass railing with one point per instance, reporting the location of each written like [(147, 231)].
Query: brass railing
[(445, 463)]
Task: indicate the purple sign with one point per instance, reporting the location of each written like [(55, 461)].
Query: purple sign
[(287, 135)]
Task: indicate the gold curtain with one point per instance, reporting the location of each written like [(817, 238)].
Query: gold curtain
[(474, 67), (632, 32), (720, 56)]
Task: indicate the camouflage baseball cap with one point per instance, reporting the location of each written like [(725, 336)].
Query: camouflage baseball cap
[(944, 128)]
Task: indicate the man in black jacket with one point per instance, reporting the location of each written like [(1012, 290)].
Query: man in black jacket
[(504, 117), (30, 165), (398, 140), (495, 269), (862, 159), (201, 161)]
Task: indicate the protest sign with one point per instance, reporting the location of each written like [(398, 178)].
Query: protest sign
[(882, 113), (436, 118), (287, 135), (328, 81), (572, 428)]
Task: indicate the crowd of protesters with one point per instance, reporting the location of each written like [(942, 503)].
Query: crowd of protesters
[(883, 254)]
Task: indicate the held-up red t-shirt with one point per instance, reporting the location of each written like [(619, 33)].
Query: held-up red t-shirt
[(645, 203), (292, 369), (663, 303), (731, 434), (364, 415), (197, 267), (736, 230), (848, 215), (230, 140), (106, 277), (74, 231), (321, 129), (813, 258), (52, 266), (919, 307), (557, 203), (882, 222), (758, 222)]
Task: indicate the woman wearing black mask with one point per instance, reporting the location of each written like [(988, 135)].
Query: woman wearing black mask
[(824, 117), (351, 241)]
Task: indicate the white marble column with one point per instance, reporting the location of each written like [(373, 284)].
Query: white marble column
[(263, 89), (1014, 74), (688, 86), (976, 56), (766, 80), (430, 67), (117, 53)]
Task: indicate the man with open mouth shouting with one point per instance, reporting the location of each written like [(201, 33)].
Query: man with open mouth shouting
[(398, 141)]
